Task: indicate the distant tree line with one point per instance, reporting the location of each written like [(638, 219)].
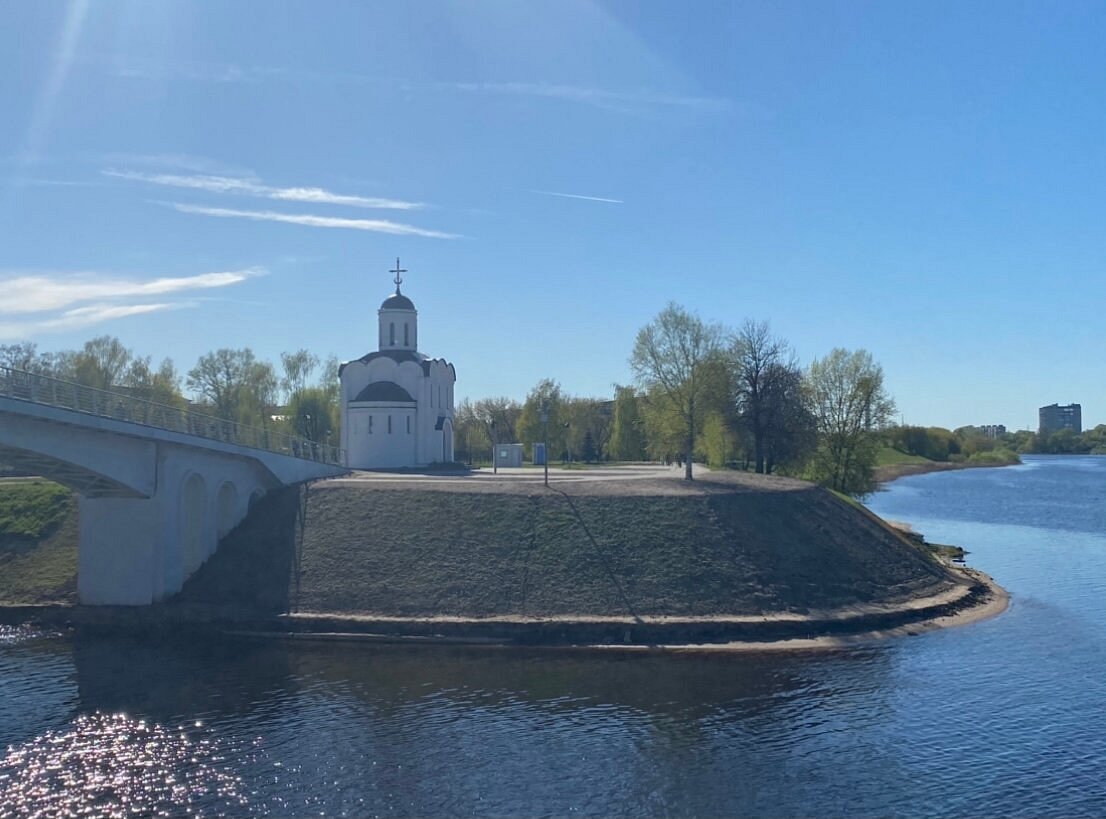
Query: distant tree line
[(727, 397), (706, 392), (973, 444)]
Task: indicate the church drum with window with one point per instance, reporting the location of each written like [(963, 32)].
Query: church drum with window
[(397, 404)]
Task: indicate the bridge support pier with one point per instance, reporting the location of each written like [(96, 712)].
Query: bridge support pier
[(129, 551), (137, 551)]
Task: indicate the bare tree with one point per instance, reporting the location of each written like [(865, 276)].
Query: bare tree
[(670, 360), (771, 405)]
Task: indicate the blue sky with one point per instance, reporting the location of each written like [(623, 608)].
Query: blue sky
[(924, 180)]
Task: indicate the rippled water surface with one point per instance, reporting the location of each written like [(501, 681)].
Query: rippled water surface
[(1002, 717)]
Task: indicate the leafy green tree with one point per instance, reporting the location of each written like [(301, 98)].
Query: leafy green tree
[(313, 415), (588, 453), (498, 418), (628, 426), (162, 386), (586, 416), (671, 358), (851, 405), (717, 441), (297, 368), (468, 432), (101, 362), (237, 385), (529, 428)]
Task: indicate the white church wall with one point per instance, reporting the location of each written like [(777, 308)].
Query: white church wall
[(388, 444)]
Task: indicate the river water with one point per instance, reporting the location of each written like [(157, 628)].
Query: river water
[(1002, 717)]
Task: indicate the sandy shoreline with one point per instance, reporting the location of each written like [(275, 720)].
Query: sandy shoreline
[(978, 599)]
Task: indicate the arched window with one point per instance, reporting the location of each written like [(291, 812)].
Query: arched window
[(392, 334), (408, 424), (406, 338), (389, 425)]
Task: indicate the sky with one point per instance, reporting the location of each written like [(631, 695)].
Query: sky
[(923, 180)]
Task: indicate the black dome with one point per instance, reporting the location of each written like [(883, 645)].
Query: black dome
[(397, 301), (385, 391)]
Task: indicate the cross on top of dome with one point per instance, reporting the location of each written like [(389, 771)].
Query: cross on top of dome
[(399, 271)]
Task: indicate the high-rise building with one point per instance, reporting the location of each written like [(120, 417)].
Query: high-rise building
[(1055, 417)]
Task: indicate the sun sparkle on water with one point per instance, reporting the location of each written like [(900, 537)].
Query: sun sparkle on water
[(116, 765)]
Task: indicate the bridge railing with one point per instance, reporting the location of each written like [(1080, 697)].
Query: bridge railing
[(55, 392)]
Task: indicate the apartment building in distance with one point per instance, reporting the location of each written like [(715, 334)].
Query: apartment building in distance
[(992, 430), (1054, 418)]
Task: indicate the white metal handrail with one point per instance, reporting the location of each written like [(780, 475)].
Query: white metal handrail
[(55, 392)]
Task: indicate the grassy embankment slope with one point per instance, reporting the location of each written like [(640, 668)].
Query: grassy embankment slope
[(892, 463), (729, 545), (38, 542)]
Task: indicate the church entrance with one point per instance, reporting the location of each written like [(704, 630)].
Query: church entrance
[(447, 441)]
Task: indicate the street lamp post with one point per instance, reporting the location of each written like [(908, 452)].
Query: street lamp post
[(545, 434), (495, 450)]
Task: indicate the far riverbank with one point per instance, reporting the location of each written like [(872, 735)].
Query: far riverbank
[(891, 472)]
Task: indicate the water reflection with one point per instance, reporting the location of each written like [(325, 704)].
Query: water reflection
[(179, 679), (294, 728)]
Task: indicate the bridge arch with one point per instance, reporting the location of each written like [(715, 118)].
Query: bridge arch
[(193, 519), (226, 508)]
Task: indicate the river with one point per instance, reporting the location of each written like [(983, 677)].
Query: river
[(1003, 717)]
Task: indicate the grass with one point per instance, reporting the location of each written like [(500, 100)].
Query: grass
[(412, 553), (888, 456), (38, 542), (31, 508)]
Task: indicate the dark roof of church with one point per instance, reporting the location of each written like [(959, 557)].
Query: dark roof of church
[(397, 301), (385, 391), (399, 356)]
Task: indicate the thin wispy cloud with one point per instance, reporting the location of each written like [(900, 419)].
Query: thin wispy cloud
[(33, 302), (40, 292), (601, 97), (81, 317), (251, 187), (311, 220), (580, 196), (617, 99), (179, 162), (195, 71)]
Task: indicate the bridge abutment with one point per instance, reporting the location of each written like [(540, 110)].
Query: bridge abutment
[(138, 551)]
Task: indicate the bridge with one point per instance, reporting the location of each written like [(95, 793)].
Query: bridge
[(158, 486)]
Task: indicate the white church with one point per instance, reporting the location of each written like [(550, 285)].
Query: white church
[(397, 404)]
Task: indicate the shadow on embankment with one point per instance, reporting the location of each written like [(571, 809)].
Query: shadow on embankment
[(254, 569)]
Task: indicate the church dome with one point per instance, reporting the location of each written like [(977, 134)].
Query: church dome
[(385, 391), (397, 301)]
